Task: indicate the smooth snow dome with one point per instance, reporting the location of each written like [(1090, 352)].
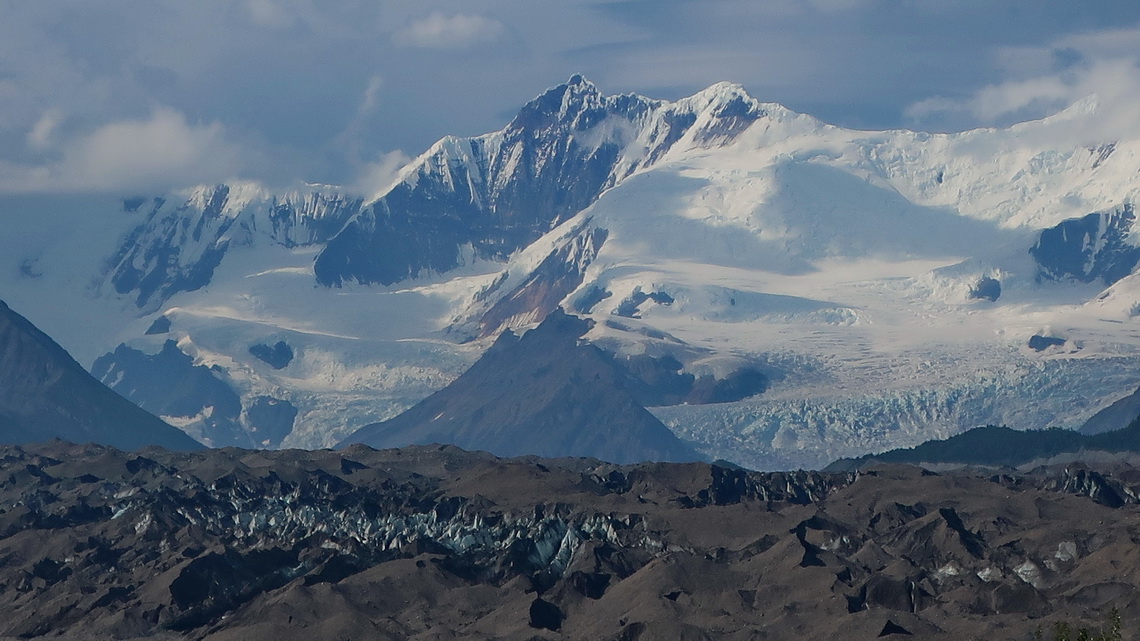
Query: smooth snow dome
[(840, 263)]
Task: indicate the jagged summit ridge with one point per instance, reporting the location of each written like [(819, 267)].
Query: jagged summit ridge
[(485, 196), (579, 105), (572, 104), (499, 192)]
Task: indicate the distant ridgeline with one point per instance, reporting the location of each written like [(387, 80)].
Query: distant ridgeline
[(992, 445)]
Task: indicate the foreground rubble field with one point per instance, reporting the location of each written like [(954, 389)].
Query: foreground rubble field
[(437, 543)]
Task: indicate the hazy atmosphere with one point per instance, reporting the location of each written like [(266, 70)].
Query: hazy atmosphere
[(152, 94), (592, 320)]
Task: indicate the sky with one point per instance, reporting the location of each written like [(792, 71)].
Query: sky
[(151, 95)]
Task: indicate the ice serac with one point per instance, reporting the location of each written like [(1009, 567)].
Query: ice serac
[(542, 393), (178, 247), (1096, 246), (496, 193), (45, 394)]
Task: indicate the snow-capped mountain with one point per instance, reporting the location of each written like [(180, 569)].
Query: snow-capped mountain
[(497, 193), (179, 246), (886, 284)]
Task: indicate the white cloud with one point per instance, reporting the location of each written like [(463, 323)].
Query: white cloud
[(375, 179), (269, 14), (296, 76), (1114, 83), (991, 103), (1098, 68), (438, 31), (1111, 43), (371, 94), (349, 140), (39, 138), (158, 152)]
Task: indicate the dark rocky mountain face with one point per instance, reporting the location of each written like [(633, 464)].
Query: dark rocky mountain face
[(542, 393), (986, 288), (500, 192), (662, 381), (495, 194), (45, 394), (170, 384), (152, 269), (437, 543), (278, 356), (1088, 248)]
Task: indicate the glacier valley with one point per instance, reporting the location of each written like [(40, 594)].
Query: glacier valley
[(892, 286)]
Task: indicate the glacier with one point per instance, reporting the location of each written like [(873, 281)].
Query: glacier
[(719, 230)]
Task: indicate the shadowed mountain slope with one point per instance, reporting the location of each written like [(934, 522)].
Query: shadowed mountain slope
[(540, 393), (45, 394), (1119, 414), (1002, 446)]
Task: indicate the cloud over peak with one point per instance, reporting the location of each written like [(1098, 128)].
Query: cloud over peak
[(1040, 81), (160, 151)]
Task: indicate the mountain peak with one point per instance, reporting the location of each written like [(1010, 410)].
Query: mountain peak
[(719, 96), (541, 393), (564, 103), (577, 86), (1083, 108), (580, 81), (723, 89)]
